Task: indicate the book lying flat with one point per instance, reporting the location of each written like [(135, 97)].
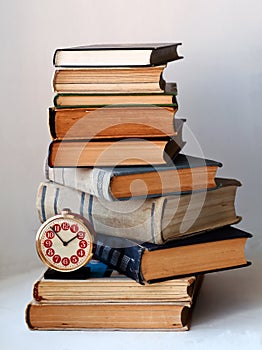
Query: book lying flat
[(111, 80), (187, 174), (112, 122), (108, 316), (108, 75), (224, 248), (108, 152), (110, 287), (117, 55), (116, 88), (155, 220), (82, 100)]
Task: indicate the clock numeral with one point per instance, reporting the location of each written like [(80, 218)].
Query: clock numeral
[(74, 228), (74, 259), (65, 261), (83, 244), (50, 252), (57, 228), (65, 226), (80, 253), (50, 234), (56, 259), (81, 235), (48, 243)]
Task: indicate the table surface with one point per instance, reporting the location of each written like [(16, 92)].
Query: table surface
[(228, 315)]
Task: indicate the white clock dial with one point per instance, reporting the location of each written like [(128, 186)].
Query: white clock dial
[(64, 243)]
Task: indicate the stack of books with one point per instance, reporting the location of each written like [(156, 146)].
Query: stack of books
[(99, 298), (115, 108), (162, 218)]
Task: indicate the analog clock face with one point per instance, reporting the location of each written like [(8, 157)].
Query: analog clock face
[(64, 244)]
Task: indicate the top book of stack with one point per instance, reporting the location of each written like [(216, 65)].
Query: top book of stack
[(123, 55)]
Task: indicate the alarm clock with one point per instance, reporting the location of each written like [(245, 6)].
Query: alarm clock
[(65, 242)]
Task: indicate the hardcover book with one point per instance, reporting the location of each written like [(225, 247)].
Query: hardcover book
[(155, 220), (224, 248), (187, 174), (111, 80), (91, 100), (108, 75), (113, 122), (112, 152), (165, 316), (117, 55), (110, 286)]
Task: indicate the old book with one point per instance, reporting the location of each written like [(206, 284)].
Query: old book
[(112, 152), (108, 316), (112, 122), (117, 55), (108, 75), (108, 285), (77, 100), (186, 174), (216, 250), (155, 220), (110, 79), (115, 88)]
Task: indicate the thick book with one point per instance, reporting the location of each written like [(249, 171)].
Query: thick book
[(108, 55), (113, 122), (113, 152), (165, 316), (111, 80), (96, 100), (221, 249), (108, 285), (186, 174), (155, 220)]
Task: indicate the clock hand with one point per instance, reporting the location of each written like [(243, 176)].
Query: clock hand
[(70, 240), (64, 243)]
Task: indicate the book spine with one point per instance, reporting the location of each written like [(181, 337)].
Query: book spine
[(134, 219), (125, 259), (36, 295), (52, 127), (163, 55), (93, 181), (28, 316)]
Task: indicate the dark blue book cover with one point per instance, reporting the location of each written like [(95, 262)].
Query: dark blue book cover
[(127, 256)]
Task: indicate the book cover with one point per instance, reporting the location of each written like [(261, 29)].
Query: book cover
[(83, 100), (206, 252), (113, 122), (112, 80), (102, 284), (157, 219), (108, 316), (113, 152), (146, 54), (101, 181)]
